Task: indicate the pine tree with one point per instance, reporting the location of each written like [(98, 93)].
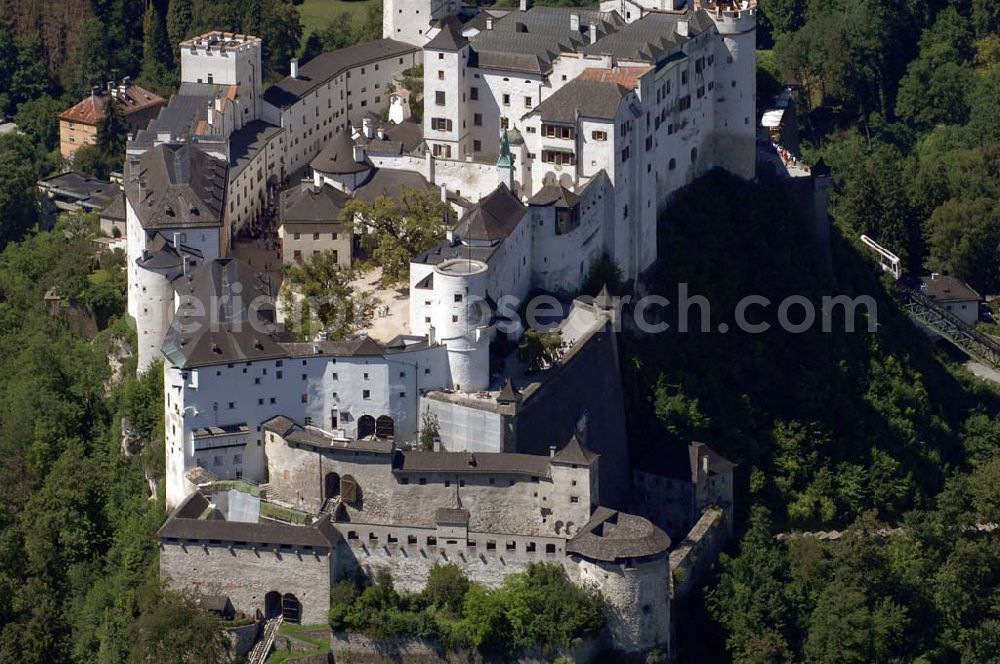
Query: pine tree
[(179, 17), (155, 48)]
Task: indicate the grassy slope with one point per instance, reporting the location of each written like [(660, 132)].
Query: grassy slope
[(316, 13)]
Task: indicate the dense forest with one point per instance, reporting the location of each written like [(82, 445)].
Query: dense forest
[(874, 434)]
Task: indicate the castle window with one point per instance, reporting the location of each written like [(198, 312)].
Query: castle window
[(404, 480), (373, 537), (474, 93), (511, 545), (574, 499), (431, 540), (599, 135), (506, 100), (352, 535), (411, 539), (529, 547), (550, 548), (366, 394), (491, 545), (304, 398), (477, 119), (422, 481)]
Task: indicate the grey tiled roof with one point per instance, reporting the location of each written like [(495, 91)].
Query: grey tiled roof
[(575, 453), (590, 99), (493, 218), (611, 536), (943, 288), (184, 524), (337, 156), (469, 463), (183, 111), (554, 194), (449, 37), (391, 183), (650, 38), (176, 185), (307, 204), (530, 41), (331, 64), (246, 144), (318, 440), (213, 323)]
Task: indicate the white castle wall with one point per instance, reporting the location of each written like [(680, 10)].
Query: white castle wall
[(305, 389), (239, 64), (409, 20)]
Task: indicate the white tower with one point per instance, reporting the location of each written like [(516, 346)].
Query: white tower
[(736, 62), (226, 58), (461, 320), (410, 20)]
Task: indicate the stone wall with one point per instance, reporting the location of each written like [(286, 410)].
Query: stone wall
[(637, 601), (587, 383), (247, 573), (698, 552)]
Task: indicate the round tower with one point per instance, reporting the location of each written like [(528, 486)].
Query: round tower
[(155, 308), (626, 558), (461, 321), (736, 85)]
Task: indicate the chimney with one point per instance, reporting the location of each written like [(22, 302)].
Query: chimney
[(381, 133), (317, 179), (444, 194), (682, 28), (295, 67), (177, 240), (489, 22), (704, 464), (127, 82), (186, 265), (593, 33), (211, 115), (366, 128), (525, 5), (359, 153), (574, 22), (430, 335), (552, 451)]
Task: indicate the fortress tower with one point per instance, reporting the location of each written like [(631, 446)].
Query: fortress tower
[(461, 321), (736, 84), (410, 20), (226, 58)]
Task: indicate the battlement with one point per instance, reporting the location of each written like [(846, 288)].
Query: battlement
[(221, 41), (732, 17)]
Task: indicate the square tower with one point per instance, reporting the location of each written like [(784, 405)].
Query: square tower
[(410, 20), (226, 58)]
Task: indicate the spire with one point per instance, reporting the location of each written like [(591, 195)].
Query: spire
[(509, 393), (506, 160)]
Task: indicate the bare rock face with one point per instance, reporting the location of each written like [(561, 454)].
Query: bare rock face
[(120, 350), (132, 442)]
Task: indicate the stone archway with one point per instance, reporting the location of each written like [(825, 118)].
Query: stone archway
[(366, 426), (385, 427), (331, 486), (291, 608), (272, 604)]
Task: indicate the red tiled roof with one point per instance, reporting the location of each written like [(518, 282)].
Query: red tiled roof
[(92, 109), (625, 76)]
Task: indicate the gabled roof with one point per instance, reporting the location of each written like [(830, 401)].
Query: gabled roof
[(574, 452), (93, 108), (493, 218), (449, 37), (598, 100), (943, 288), (554, 194), (478, 463), (306, 203), (227, 331), (184, 524), (337, 157), (176, 185), (331, 64)]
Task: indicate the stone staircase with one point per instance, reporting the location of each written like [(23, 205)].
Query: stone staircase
[(271, 495), (263, 647), (330, 507)]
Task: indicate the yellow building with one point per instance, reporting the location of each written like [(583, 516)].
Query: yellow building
[(78, 125)]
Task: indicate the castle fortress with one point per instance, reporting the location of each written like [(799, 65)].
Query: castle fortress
[(556, 136)]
